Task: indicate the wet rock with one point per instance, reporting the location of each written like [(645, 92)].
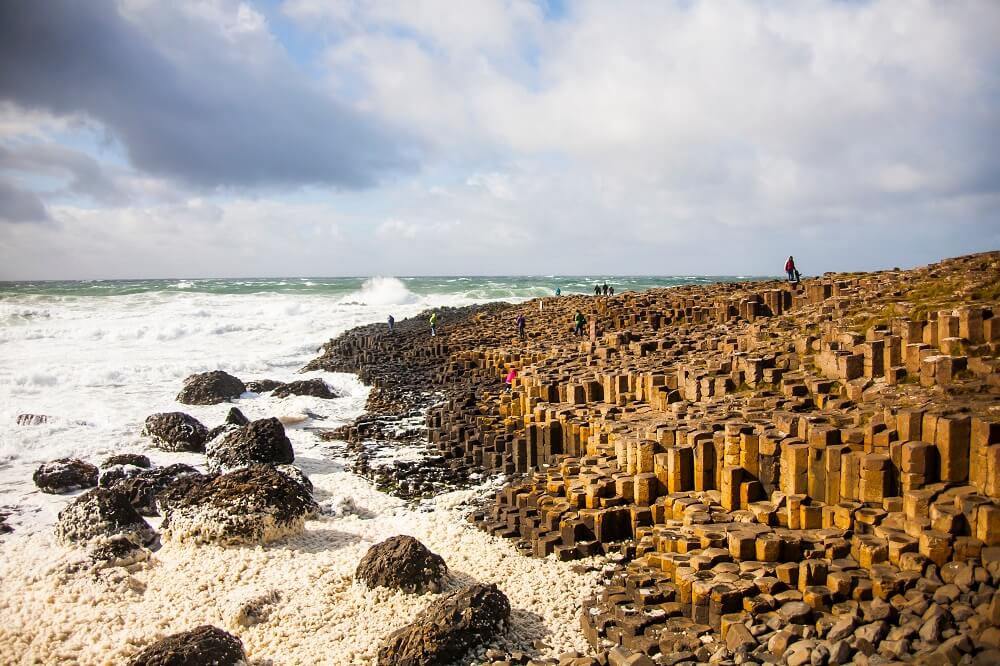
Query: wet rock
[(403, 563), (262, 441), (255, 504), (210, 388), (65, 474), (296, 475), (117, 551), (176, 431), (316, 388), (448, 628), (116, 473), (31, 419), (202, 646), (134, 459), (177, 489), (102, 513), (235, 417), (142, 487), (262, 385)]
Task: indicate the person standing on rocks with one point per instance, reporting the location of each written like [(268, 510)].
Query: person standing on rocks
[(521, 321), (509, 381), (558, 292), (597, 290), (434, 323), (611, 291), (790, 269), (581, 321), (391, 321), (605, 288)]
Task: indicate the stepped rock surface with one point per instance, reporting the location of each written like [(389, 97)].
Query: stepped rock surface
[(777, 472)]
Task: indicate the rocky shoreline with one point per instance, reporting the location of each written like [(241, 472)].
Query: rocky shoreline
[(782, 473)]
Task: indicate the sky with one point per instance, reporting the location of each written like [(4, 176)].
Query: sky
[(221, 138)]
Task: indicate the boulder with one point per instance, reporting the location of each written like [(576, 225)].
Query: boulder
[(176, 431), (262, 385), (255, 504), (31, 419), (135, 459), (141, 488), (316, 388), (116, 473), (177, 489), (262, 441), (65, 474), (117, 551), (448, 628), (235, 417), (210, 388), (402, 563), (102, 513), (296, 475), (202, 646)]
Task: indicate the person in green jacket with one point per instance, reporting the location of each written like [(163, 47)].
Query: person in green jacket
[(581, 321), (434, 323)]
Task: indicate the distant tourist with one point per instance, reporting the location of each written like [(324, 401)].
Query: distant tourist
[(790, 269), (581, 321), (521, 321), (597, 290), (509, 381), (611, 291), (392, 322), (605, 288), (434, 323), (558, 292)]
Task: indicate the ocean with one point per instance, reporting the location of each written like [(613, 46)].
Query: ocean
[(98, 357)]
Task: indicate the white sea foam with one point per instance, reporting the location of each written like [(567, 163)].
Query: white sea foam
[(381, 291)]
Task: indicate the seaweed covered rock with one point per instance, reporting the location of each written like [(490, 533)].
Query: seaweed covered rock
[(316, 388), (262, 441), (403, 563), (448, 628), (65, 474), (202, 646), (142, 487), (210, 388), (176, 431), (262, 385), (134, 459), (102, 513), (235, 417), (255, 504), (117, 551)]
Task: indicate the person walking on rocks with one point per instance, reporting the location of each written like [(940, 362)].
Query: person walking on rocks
[(391, 321), (509, 381), (611, 291), (790, 269), (605, 288), (521, 321), (434, 323), (580, 321), (597, 290), (558, 292)]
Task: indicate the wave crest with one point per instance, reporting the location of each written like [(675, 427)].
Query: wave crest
[(381, 291)]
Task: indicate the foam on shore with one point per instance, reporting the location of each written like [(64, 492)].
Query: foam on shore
[(313, 611)]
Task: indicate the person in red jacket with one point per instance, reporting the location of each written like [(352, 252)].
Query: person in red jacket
[(790, 269)]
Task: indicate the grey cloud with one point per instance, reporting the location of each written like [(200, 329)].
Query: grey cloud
[(181, 103), (18, 205), (86, 176)]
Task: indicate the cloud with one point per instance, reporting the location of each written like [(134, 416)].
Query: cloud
[(85, 175), (19, 205), (198, 93)]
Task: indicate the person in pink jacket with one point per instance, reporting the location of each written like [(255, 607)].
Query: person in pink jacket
[(511, 376)]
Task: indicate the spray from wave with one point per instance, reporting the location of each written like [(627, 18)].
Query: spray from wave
[(381, 291)]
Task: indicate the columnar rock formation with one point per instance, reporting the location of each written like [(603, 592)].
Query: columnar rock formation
[(761, 456)]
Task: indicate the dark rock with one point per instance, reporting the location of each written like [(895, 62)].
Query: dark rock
[(236, 417), (448, 628), (262, 385), (262, 441), (316, 388), (255, 504), (296, 475), (117, 551), (203, 646), (64, 474), (177, 489), (142, 488), (176, 431), (402, 562), (31, 419), (210, 388), (113, 475), (101, 513), (135, 459)]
